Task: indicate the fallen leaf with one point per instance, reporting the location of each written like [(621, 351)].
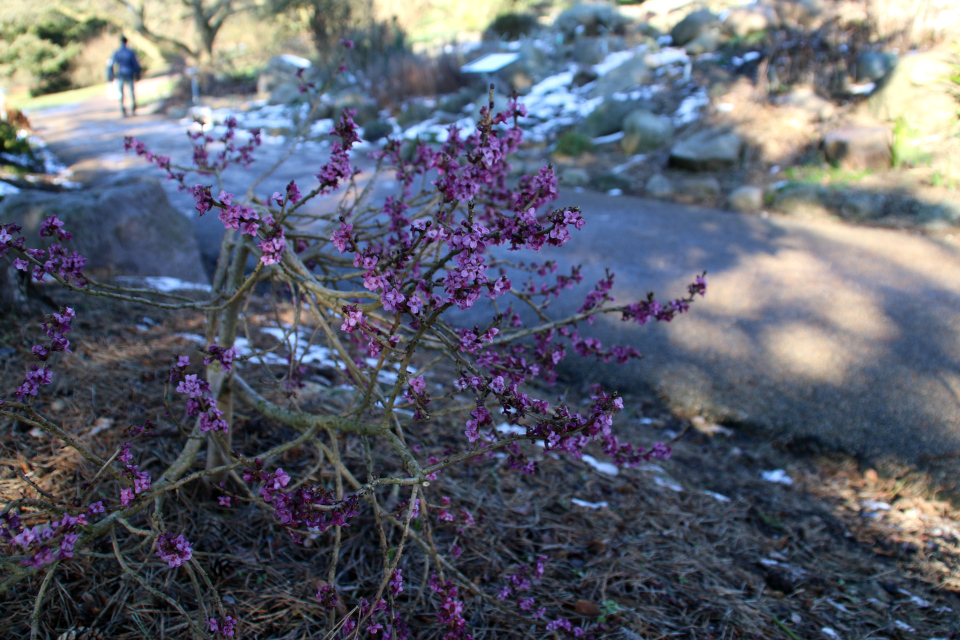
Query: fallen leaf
[(586, 608)]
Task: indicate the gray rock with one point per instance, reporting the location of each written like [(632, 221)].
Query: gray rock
[(365, 107), (659, 186), (286, 93), (801, 14), (610, 180), (919, 91), (585, 75), (457, 102), (744, 21), (590, 50), (627, 76), (805, 97), (574, 177), (414, 112), (129, 228), (700, 188), (590, 20), (858, 206), (802, 201), (376, 129), (946, 213), (644, 131), (858, 148), (500, 103), (707, 150), (873, 66), (690, 27), (707, 41), (608, 117), (746, 199)]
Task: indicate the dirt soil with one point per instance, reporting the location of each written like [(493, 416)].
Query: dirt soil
[(700, 546)]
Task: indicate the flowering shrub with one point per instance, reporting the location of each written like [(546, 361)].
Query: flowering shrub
[(382, 284)]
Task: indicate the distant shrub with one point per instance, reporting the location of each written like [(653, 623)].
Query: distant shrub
[(573, 144), (511, 26)]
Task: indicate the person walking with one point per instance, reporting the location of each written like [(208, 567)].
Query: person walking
[(126, 69)]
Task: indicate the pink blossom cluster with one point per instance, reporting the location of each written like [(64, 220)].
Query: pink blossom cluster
[(199, 400), (53, 260), (216, 353), (225, 626), (299, 508), (141, 479), (450, 611), (43, 543), (174, 550), (55, 325)]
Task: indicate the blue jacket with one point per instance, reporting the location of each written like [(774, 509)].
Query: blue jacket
[(125, 62)]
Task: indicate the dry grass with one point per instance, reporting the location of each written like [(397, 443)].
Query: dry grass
[(771, 561)]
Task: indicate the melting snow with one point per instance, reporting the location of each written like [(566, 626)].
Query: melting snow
[(603, 467), (777, 475), (588, 505)]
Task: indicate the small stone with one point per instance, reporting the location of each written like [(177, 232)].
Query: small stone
[(858, 148), (871, 476), (623, 78), (574, 177), (746, 199), (659, 186)]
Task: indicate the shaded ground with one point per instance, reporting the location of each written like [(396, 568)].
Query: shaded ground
[(696, 547)]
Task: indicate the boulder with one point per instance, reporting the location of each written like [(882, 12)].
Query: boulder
[(659, 186), (585, 74), (746, 199), (644, 131), (707, 150), (707, 41), (744, 21), (623, 78), (414, 112), (858, 148), (608, 117), (574, 177), (919, 91), (690, 27), (590, 20), (873, 66), (590, 50), (130, 228), (457, 102)]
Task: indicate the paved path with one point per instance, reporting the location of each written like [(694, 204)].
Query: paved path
[(814, 328)]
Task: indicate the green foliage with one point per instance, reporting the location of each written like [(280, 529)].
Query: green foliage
[(825, 174), (904, 152), (573, 144), (42, 47), (510, 26), (20, 155)]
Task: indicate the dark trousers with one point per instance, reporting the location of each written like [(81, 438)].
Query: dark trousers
[(126, 81)]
